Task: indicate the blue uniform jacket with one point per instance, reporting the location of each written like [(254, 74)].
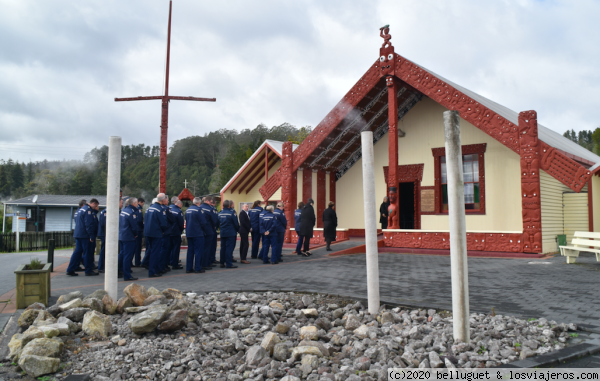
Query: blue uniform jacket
[(254, 221), (229, 223), (177, 214), (170, 219), (269, 223), (102, 223), (128, 224), (195, 222), (297, 214), (260, 219), (86, 223), (156, 221), (211, 218), (140, 220), (280, 215)]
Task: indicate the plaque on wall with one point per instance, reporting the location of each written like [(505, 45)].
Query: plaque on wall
[(427, 200)]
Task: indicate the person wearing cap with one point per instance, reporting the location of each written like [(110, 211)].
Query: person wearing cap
[(279, 213), (329, 224)]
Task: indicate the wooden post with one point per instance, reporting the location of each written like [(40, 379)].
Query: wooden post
[(394, 220)]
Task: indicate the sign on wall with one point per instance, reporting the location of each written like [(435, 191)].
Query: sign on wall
[(427, 200)]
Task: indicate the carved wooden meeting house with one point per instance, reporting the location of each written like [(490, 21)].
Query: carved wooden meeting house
[(524, 183)]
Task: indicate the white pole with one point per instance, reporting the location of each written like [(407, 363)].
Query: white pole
[(370, 221), (18, 233), (112, 216), (458, 227), (4, 219)]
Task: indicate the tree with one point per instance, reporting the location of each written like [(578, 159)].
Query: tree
[(17, 180)]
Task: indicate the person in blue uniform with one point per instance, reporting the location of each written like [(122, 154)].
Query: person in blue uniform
[(253, 214), (176, 231), (195, 225), (146, 260), (165, 247), (210, 233), (215, 216), (232, 208), (261, 215), (279, 213), (137, 258), (128, 230), (102, 236), (297, 214), (155, 226), (85, 234), (230, 226), (94, 206), (268, 227), (81, 204)]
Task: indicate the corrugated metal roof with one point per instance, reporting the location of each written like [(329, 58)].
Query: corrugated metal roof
[(56, 200), (548, 136)]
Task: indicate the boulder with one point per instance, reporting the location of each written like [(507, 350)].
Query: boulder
[(298, 352), (93, 304), (95, 322), (68, 297), (54, 310), (269, 342), (155, 298), (135, 310), (75, 314), (281, 352), (74, 328), (318, 344), (43, 318), (147, 321), (27, 318), (171, 293), (352, 323), (136, 293), (75, 303), (362, 332), (31, 334), (44, 348), (36, 366), (153, 291), (175, 321), (63, 329), (98, 294), (309, 332), (310, 312), (108, 305), (36, 306), (282, 328), (255, 354), (15, 346), (289, 377), (123, 303), (386, 317), (50, 331), (276, 304)]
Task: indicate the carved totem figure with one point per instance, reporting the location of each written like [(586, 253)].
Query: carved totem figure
[(393, 220), (288, 191)]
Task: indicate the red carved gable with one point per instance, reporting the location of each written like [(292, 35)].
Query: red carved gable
[(186, 195)]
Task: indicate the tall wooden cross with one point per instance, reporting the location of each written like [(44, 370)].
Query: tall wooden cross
[(164, 119)]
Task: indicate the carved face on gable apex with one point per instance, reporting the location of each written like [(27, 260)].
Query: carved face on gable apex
[(386, 60)]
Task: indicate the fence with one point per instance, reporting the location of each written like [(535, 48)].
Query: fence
[(30, 241)]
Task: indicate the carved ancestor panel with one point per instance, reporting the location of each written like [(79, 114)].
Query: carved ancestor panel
[(406, 173), (402, 239), (318, 238), (271, 186), (435, 241), (530, 182), (321, 197), (564, 169), (287, 185), (332, 190), (306, 184), (496, 242)]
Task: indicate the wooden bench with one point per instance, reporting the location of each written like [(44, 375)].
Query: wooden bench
[(582, 241)]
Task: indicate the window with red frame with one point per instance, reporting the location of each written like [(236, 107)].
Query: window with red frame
[(470, 179)]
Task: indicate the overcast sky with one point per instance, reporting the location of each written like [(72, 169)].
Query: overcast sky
[(62, 62)]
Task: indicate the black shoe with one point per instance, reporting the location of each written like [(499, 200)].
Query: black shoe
[(232, 267), (297, 253), (134, 266), (167, 269), (207, 268), (155, 275), (132, 278), (199, 271), (120, 275), (91, 274), (101, 271), (176, 267), (274, 263), (216, 262), (79, 270), (254, 257), (95, 267), (234, 260), (189, 272), (328, 249), (72, 274), (281, 260), (309, 253), (146, 267), (222, 265)]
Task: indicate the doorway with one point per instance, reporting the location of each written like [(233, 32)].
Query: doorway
[(406, 201)]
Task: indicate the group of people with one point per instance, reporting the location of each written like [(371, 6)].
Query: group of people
[(162, 226)]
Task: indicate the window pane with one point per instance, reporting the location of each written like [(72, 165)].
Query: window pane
[(467, 171), (444, 198), (444, 180), (469, 196), (476, 188), (476, 169)]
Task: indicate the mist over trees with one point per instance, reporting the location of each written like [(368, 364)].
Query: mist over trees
[(206, 162)]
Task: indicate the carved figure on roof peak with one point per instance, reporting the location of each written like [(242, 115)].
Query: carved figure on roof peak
[(384, 32)]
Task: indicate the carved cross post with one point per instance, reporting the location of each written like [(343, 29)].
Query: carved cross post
[(288, 191), (394, 209), (529, 148)]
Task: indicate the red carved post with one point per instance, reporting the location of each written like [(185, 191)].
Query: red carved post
[(321, 197), (529, 145), (287, 182), (332, 187), (394, 208), (306, 184)]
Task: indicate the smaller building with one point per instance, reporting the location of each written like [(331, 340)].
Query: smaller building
[(47, 213)]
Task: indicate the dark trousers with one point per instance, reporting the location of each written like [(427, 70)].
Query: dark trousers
[(208, 239), (213, 248), (81, 249), (102, 260), (175, 249), (137, 257), (306, 242), (194, 253), (384, 224), (165, 251), (91, 251), (299, 244), (256, 237), (125, 256), (146, 260), (243, 246), (227, 247), (270, 241), (261, 253), (280, 239), (328, 242), (153, 254)]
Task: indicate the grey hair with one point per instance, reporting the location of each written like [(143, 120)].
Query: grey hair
[(154, 200), (270, 208), (179, 203), (161, 197), (174, 199), (197, 200), (132, 200)]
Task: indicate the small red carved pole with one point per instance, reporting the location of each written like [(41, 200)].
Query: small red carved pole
[(394, 208), (529, 148), (287, 189), (164, 119)]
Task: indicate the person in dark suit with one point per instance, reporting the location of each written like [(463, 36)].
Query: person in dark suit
[(329, 224), (245, 229), (307, 223), (383, 213), (297, 225)]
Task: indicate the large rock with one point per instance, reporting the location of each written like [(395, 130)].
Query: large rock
[(362, 332), (298, 352), (153, 291), (31, 334), (75, 314), (43, 347), (171, 293), (15, 346), (50, 331), (289, 377), (282, 328), (68, 297), (62, 328), (37, 366), (74, 328), (175, 321), (93, 304), (123, 303), (352, 323), (108, 305), (309, 343), (269, 342), (54, 310), (310, 312), (98, 294), (148, 320), (255, 355), (27, 318), (43, 318), (155, 298), (75, 303), (95, 322), (309, 332), (281, 352), (136, 293), (36, 306), (434, 360)]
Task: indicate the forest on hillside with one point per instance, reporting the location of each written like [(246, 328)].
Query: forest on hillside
[(206, 162)]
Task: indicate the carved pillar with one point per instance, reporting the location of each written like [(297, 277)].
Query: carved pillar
[(332, 187), (321, 197), (287, 185), (393, 153), (529, 148), (306, 184)]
